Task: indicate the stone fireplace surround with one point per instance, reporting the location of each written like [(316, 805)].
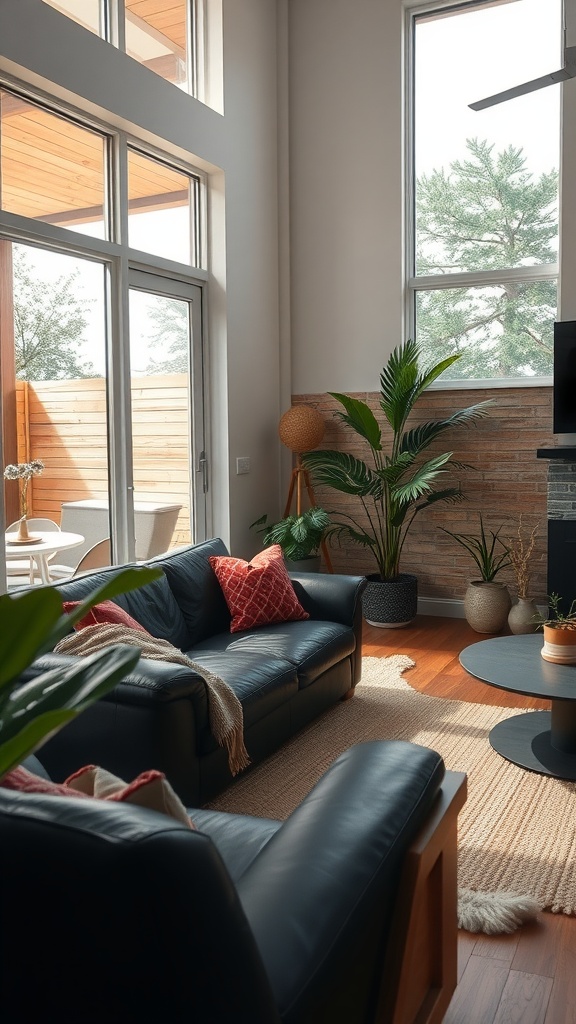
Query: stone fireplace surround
[(561, 513)]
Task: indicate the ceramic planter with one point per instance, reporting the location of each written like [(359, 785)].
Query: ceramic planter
[(522, 617), (559, 645), (486, 606), (390, 603), (310, 564)]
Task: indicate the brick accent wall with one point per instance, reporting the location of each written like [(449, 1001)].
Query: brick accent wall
[(505, 479)]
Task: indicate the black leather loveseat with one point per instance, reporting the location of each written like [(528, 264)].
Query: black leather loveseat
[(343, 914), (284, 675)]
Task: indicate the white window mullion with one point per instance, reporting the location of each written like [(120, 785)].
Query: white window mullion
[(119, 404)]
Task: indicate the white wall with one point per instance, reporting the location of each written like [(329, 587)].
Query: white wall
[(346, 189), (239, 152)]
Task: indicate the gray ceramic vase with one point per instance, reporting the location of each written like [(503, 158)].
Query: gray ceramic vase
[(486, 606)]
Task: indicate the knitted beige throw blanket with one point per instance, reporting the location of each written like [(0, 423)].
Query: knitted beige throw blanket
[(224, 708)]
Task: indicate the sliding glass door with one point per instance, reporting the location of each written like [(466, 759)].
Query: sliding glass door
[(167, 417)]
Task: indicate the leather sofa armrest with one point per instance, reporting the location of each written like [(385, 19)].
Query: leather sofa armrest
[(331, 597), (328, 878)]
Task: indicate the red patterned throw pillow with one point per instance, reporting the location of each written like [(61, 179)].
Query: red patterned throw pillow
[(150, 789), (259, 592), (106, 611)]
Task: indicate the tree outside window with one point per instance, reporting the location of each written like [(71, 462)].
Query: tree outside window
[(485, 199)]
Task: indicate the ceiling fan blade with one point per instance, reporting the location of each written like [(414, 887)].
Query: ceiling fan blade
[(563, 75)]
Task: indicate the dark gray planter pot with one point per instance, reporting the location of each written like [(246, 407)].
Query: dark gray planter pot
[(311, 564), (390, 603)]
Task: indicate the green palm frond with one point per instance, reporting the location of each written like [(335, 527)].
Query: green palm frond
[(343, 472), (421, 482), (396, 484), (398, 382), (360, 417), (420, 437)]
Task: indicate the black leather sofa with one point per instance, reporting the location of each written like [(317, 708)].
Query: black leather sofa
[(343, 914), (284, 675)]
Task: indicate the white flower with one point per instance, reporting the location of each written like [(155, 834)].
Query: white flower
[(24, 470)]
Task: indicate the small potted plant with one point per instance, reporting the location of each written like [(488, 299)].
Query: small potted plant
[(559, 633), (487, 601), (299, 536)]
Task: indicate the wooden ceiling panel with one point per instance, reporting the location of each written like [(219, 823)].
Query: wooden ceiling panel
[(168, 17), (54, 169)]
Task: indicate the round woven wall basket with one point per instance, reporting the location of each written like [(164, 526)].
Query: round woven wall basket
[(301, 428)]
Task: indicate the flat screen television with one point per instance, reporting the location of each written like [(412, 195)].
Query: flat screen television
[(564, 392)]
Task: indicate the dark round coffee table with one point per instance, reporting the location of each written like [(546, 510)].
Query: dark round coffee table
[(543, 741)]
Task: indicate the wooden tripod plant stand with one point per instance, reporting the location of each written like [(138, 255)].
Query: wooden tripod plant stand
[(299, 478)]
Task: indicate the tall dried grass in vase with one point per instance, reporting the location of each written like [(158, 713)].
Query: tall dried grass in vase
[(523, 616), (520, 551)]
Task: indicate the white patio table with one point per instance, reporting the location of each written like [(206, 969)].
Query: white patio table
[(50, 541)]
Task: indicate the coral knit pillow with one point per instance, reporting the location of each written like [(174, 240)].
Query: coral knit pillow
[(260, 592)]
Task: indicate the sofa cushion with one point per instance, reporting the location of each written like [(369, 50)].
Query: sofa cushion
[(153, 605), (261, 684), (196, 589), (312, 647), (258, 592)]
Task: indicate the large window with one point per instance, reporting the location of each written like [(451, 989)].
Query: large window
[(101, 364), (483, 210)]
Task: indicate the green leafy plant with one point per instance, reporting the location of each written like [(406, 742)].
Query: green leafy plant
[(557, 619), (489, 558), (31, 623), (299, 536), (396, 486)]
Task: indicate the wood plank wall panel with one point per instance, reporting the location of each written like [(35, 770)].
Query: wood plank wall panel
[(67, 425), (505, 479)]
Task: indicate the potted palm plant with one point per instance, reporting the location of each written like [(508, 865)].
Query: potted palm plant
[(486, 601), (394, 485), (299, 536)]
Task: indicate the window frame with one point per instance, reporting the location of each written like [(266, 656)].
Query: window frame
[(112, 15), (467, 279)]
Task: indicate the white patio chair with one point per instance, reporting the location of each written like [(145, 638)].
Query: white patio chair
[(98, 555), (22, 564)]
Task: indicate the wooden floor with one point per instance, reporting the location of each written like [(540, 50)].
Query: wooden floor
[(528, 977)]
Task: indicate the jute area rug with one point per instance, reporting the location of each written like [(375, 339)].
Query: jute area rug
[(517, 830)]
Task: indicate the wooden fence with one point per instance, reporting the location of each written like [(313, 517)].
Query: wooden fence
[(64, 423)]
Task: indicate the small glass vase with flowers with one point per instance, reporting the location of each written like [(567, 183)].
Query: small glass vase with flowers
[(24, 471)]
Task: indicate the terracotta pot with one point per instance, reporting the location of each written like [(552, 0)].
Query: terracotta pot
[(559, 645), (522, 616), (486, 606)]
